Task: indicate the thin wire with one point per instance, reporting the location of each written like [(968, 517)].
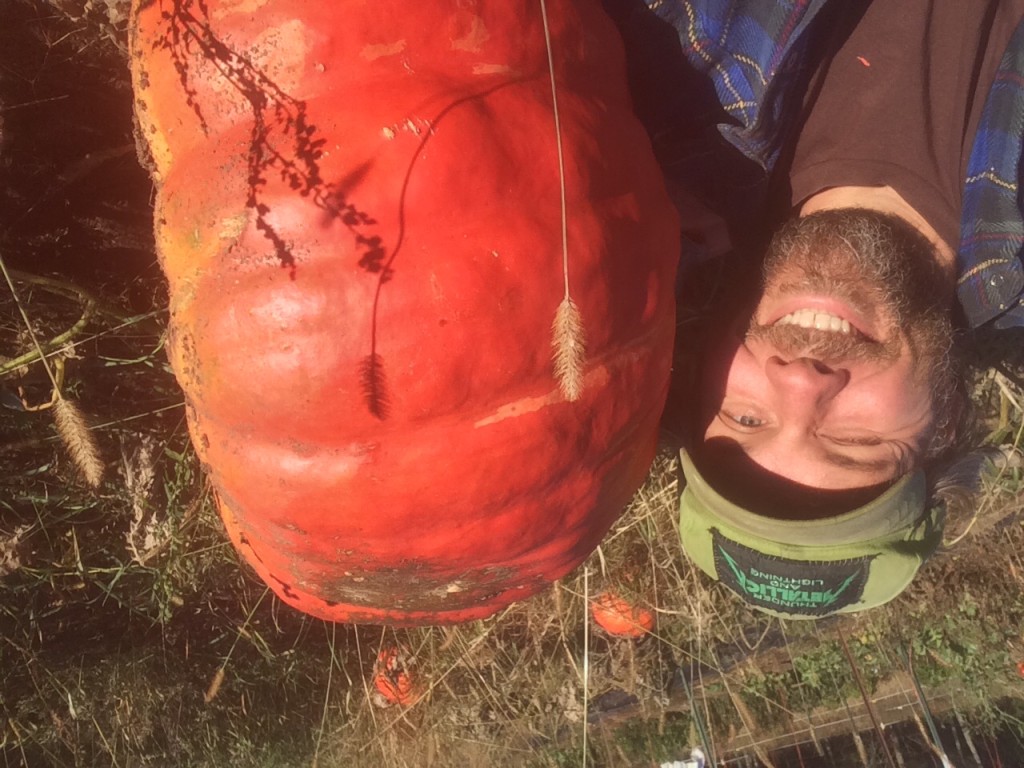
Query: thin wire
[(846, 704), (698, 718), (586, 654), (908, 659), (558, 141), (864, 696)]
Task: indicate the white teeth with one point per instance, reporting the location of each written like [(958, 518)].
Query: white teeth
[(823, 321)]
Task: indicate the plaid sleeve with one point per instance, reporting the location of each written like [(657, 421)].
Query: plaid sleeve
[(750, 50), (991, 276), (754, 50)]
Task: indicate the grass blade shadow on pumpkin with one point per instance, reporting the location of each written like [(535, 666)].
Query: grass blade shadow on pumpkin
[(375, 389), (273, 111), (272, 108)]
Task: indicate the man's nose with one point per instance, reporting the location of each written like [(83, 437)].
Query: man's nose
[(805, 378)]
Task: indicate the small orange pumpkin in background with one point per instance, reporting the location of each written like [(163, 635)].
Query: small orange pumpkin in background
[(358, 214), (620, 618), (393, 680)]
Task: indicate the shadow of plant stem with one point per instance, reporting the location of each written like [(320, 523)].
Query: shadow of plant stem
[(278, 118), (375, 390)]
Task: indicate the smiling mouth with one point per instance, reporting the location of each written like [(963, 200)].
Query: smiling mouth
[(821, 321), (813, 319), (812, 332)]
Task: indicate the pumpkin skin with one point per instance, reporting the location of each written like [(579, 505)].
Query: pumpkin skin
[(620, 618), (358, 215)]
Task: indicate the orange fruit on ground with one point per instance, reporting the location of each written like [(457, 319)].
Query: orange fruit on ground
[(619, 617), (392, 679)]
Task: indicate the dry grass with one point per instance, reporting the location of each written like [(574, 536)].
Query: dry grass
[(132, 635)]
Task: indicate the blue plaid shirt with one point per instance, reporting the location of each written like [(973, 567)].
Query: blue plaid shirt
[(751, 50)]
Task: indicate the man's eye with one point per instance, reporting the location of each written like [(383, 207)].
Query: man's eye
[(745, 420)]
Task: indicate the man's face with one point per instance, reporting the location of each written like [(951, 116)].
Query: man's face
[(829, 383)]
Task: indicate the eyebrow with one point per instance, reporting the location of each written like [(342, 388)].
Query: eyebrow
[(861, 465)]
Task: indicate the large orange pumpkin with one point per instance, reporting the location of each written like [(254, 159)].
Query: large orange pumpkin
[(358, 213)]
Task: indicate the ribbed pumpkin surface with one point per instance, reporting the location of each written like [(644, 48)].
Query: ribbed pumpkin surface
[(358, 213)]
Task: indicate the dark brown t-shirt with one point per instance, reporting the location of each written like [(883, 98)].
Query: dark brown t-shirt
[(900, 102)]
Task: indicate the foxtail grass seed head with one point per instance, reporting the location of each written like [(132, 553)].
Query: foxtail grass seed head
[(215, 683), (568, 344), (78, 439)]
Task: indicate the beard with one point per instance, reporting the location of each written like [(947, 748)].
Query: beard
[(880, 265)]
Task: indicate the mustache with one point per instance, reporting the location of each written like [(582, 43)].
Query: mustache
[(827, 346)]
